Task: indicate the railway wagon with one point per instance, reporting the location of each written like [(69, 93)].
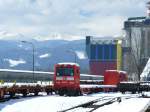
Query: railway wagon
[(134, 86), (113, 78), (12, 89)]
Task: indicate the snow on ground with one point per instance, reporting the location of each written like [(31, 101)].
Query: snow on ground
[(127, 105), (43, 104), (111, 94), (146, 71), (55, 103)]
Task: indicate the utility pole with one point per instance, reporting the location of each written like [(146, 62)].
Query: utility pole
[(33, 58)]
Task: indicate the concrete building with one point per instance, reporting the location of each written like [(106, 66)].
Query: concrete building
[(138, 41)]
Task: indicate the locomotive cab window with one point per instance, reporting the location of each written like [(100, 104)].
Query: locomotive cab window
[(64, 72)]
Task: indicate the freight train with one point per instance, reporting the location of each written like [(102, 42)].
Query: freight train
[(67, 80), (24, 78)]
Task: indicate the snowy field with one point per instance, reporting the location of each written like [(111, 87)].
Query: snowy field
[(56, 103)]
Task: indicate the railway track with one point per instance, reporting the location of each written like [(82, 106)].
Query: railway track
[(92, 104), (98, 103)]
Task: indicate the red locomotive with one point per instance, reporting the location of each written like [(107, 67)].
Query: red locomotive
[(67, 79)]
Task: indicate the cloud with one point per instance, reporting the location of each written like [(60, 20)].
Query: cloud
[(42, 18)]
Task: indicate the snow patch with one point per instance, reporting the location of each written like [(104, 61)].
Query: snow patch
[(128, 105), (14, 63), (55, 103), (81, 54), (44, 55), (50, 104), (145, 72)]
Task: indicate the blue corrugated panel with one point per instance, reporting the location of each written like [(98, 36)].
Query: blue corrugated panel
[(93, 52), (110, 51), (100, 52), (96, 54), (106, 52), (113, 52), (103, 52)]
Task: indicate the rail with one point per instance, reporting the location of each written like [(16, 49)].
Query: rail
[(90, 104), (107, 100)]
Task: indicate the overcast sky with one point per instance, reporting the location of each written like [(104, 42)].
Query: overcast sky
[(68, 19)]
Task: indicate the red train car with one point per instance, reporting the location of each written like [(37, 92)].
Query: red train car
[(67, 79), (113, 77)]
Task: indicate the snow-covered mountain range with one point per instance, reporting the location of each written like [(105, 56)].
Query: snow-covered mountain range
[(17, 55)]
